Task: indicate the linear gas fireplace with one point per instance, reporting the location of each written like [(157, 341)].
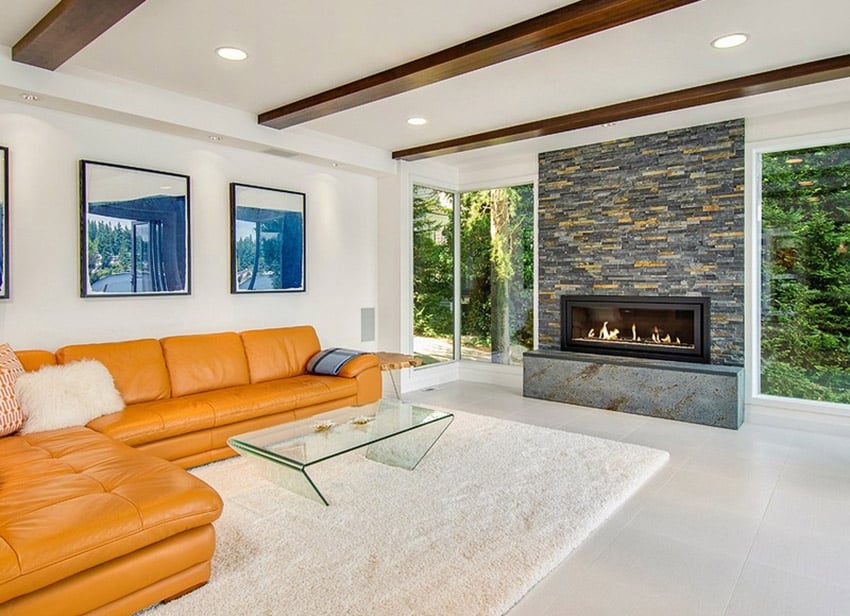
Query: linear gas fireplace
[(675, 328)]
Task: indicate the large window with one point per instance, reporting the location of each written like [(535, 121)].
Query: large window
[(496, 282), (805, 267), (497, 273), (433, 274)]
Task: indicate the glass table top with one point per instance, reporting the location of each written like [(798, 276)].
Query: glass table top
[(307, 441)]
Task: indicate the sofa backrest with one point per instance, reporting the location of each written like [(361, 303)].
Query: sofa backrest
[(32, 360), (279, 353), (203, 362), (137, 366)]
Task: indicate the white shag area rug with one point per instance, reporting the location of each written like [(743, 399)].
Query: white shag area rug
[(492, 508)]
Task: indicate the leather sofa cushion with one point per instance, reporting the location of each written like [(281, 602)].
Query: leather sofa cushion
[(72, 499), (148, 422), (279, 353), (152, 421), (33, 360), (249, 401), (204, 362), (136, 366)]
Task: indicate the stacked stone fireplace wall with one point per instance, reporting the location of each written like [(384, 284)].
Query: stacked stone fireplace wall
[(659, 214)]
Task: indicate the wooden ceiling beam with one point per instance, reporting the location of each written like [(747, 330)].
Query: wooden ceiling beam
[(779, 79), (68, 28), (567, 23)]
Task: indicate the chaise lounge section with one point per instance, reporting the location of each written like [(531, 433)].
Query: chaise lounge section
[(87, 524)]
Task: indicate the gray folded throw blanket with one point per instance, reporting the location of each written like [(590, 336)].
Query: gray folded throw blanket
[(331, 361)]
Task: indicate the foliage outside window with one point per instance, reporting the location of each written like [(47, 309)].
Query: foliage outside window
[(497, 273), (109, 249), (805, 306), (433, 274), (496, 284)]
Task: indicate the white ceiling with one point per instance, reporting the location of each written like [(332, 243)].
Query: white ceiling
[(301, 47)]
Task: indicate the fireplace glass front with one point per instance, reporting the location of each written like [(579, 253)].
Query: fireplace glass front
[(674, 328)]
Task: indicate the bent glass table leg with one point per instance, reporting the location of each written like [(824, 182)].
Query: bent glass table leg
[(408, 448), (290, 478)]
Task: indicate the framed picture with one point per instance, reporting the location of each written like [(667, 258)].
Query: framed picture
[(266, 240), (134, 231), (4, 222)]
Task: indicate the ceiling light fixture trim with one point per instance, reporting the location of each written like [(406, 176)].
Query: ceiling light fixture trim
[(231, 53), (728, 41)]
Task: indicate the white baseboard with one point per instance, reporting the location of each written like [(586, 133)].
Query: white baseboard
[(412, 379), (494, 374), (797, 419), (439, 374)]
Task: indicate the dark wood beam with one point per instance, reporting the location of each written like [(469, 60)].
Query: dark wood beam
[(67, 28), (553, 28), (760, 83)]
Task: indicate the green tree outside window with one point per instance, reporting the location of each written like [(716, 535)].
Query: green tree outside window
[(805, 307)]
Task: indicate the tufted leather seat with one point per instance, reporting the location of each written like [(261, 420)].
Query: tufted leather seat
[(73, 501)]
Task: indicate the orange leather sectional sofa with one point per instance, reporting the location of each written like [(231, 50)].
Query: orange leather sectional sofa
[(96, 519)]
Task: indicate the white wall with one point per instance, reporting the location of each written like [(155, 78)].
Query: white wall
[(391, 264), (799, 123), (45, 309)]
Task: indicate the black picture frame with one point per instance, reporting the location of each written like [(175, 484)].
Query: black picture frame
[(4, 222), (268, 234), (134, 231)]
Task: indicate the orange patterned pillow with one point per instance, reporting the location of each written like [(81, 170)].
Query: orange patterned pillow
[(11, 417)]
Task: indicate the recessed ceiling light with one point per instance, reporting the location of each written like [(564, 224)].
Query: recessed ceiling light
[(417, 121), (730, 40), (27, 96), (215, 138), (231, 53), (607, 124)]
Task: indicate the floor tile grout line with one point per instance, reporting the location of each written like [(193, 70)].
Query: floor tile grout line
[(746, 560)]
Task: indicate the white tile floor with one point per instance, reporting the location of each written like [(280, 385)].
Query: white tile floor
[(739, 523)]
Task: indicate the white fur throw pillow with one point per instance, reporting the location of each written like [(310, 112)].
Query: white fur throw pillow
[(69, 395)]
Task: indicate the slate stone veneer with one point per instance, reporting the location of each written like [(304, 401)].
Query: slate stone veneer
[(659, 214)]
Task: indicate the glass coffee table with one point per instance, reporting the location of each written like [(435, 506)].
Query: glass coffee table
[(391, 432)]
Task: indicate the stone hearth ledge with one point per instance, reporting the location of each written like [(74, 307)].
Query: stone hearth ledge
[(697, 393)]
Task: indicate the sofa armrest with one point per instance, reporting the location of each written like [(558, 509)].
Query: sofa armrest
[(355, 366), (366, 370)]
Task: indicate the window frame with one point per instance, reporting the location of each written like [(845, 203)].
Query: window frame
[(436, 184), (425, 183), (509, 183), (753, 275)]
